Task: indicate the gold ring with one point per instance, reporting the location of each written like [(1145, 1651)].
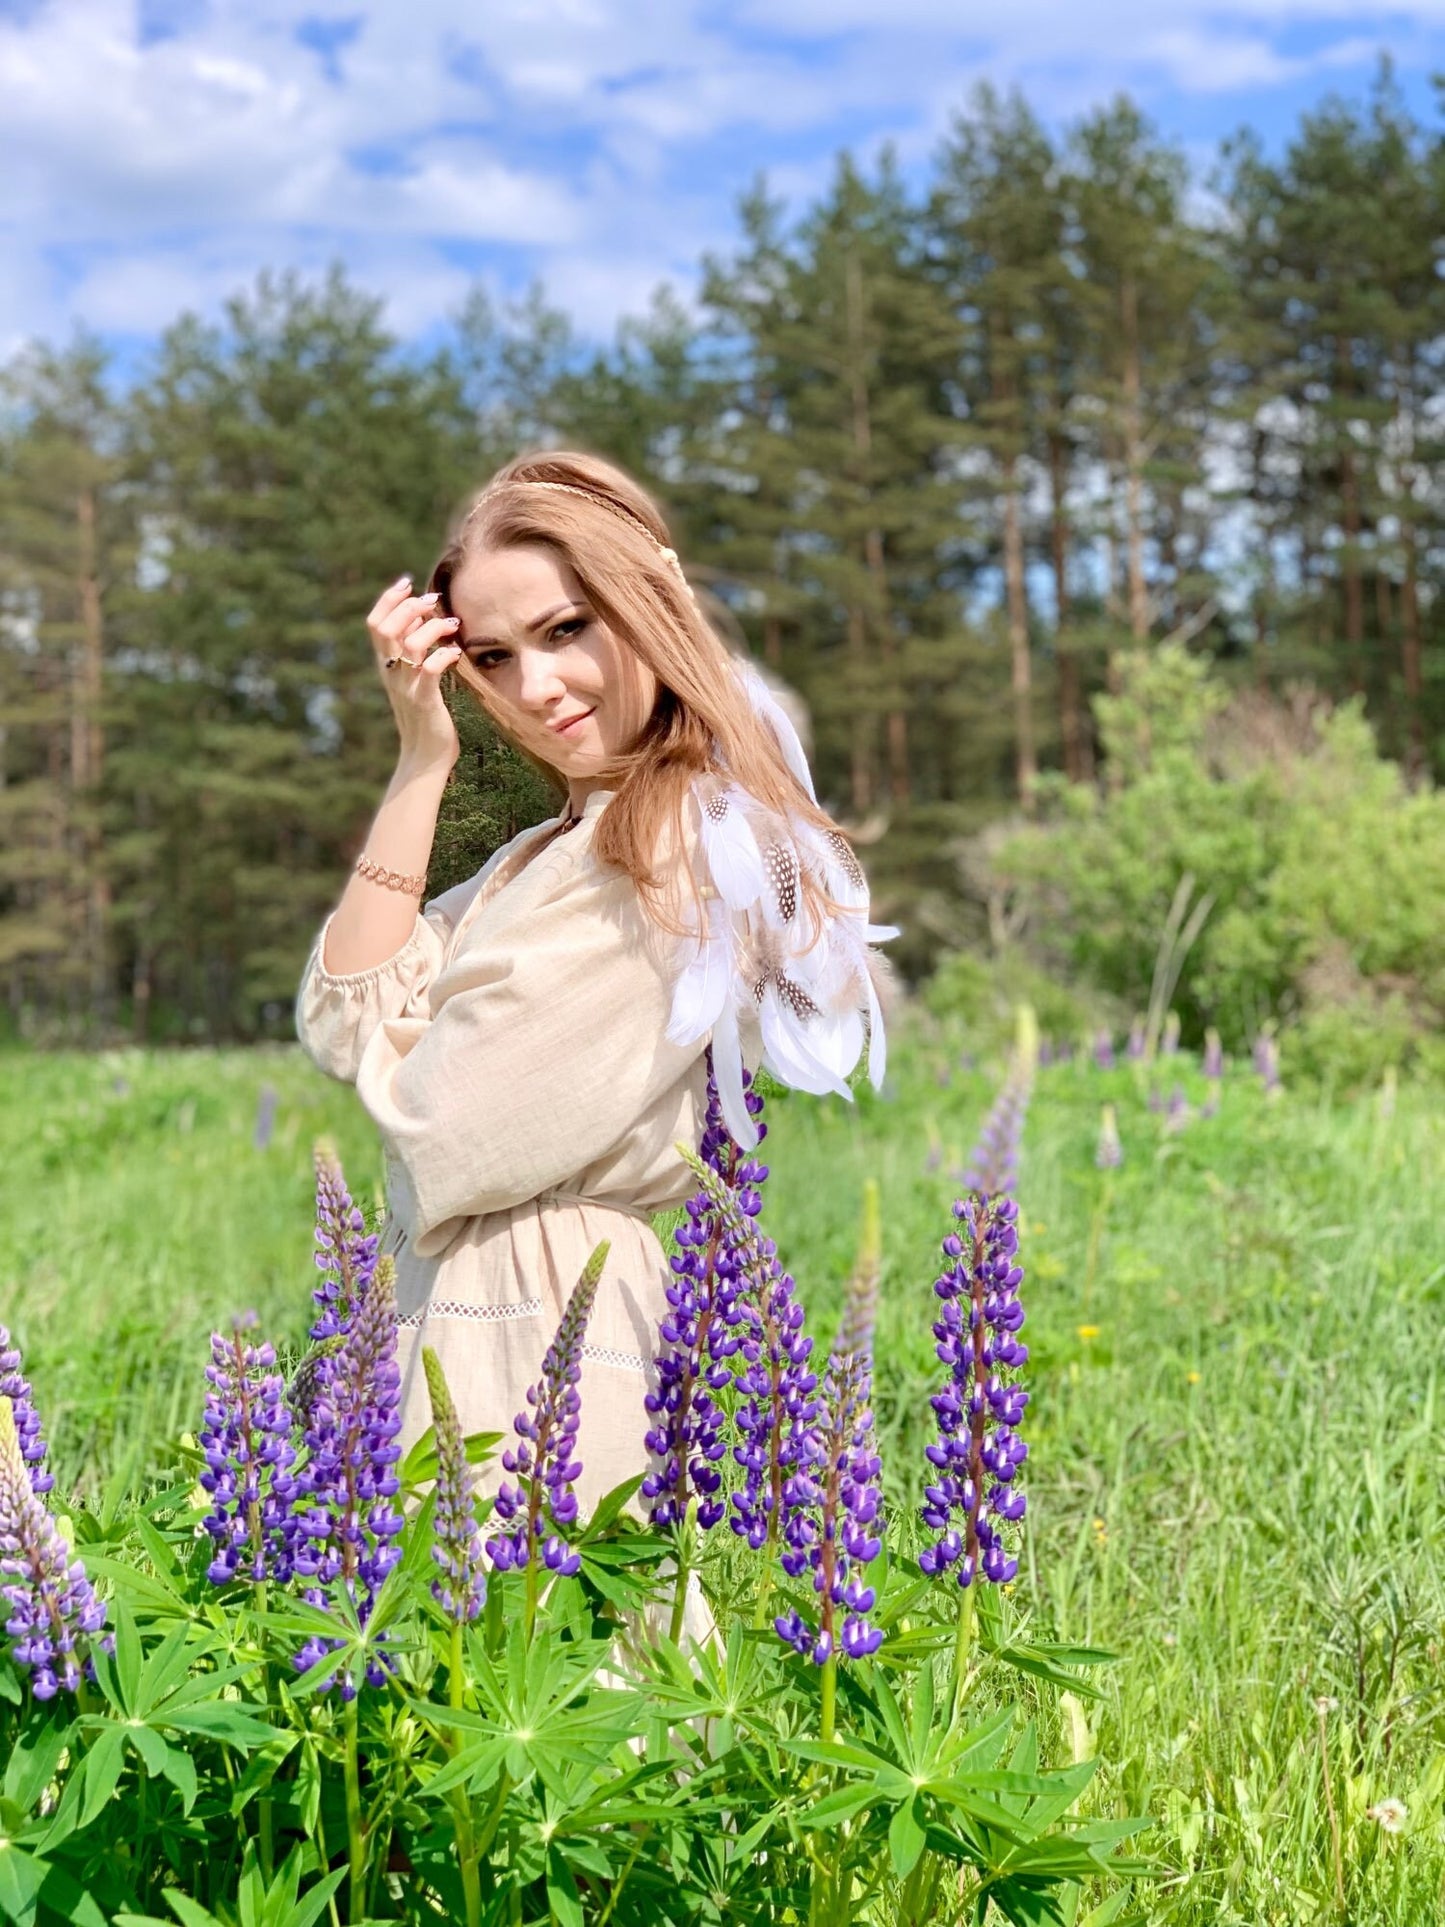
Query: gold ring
[(395, 662)]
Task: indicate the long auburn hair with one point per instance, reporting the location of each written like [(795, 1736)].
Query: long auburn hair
[(614, 544)]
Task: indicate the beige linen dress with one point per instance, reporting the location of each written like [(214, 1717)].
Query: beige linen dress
[(513, 1057)]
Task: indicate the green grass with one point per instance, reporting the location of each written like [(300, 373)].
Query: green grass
[(1235, 1461)]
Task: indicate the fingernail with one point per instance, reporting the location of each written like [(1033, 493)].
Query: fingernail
[(402, 582)]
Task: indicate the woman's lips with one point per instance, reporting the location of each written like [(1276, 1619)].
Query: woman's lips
[(564, 729)]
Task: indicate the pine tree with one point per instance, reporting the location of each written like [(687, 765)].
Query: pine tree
[(65, 540)]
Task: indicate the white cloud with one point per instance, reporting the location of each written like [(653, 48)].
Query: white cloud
[(600, 143)]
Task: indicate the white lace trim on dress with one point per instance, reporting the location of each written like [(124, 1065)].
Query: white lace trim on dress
[(609, 1355), (485, 1314)]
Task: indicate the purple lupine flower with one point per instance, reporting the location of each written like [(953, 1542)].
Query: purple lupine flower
[(1213, 1064), (1179, 1112), (714, 1282), (16, 1387), (993, 1166), (345, 1523), (1266, 1062), (1138, 1044), (54, 1613), (978, 1450), (1110, 1152), (246, 1437), (266, 1102), (345, 1254), (461, 1591), (1103, 1050), (832, 1520), (775, 1379), (1169, 1042), (1046, 1052), (542, 1503)]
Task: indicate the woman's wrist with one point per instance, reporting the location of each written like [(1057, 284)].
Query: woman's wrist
[(420, 772)]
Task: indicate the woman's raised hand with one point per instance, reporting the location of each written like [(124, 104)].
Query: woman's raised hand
[(408, 626)]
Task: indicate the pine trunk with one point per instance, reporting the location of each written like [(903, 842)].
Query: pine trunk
[(895, 714), (1077, 760), (1133, 462), (1020, 665), (87, 762), (1411, 655), (1354, 587)]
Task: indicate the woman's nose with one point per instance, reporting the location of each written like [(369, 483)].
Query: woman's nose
[(538, 681)]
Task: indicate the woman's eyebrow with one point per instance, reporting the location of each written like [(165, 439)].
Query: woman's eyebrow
[(537, 622)]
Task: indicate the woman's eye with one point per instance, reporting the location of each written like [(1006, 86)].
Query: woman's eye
[(569, 628), (487, 658)]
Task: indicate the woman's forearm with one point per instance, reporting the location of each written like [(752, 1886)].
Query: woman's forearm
[(373, 921)]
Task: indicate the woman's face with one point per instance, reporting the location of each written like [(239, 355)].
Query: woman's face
[(528, 631)]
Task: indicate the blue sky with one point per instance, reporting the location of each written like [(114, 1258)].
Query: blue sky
[(155, 154)]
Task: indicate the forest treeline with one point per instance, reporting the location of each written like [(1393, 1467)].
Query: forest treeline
[(946, 457)]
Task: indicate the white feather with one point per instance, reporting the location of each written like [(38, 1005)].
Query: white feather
[(732, 850), (706, 981), (772, 712), (838, 1039), (789, 1051), (727, 1068), (877, 1043)]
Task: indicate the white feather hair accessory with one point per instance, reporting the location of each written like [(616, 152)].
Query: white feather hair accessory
[(750, 963)]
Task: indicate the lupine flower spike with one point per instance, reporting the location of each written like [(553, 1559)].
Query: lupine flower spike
[(1110, 1152), (345, 1254), (774, 1375), (461, 1590), (16, 1387), (246, 1437), (1179, 1112), (538, 1508), (1266, 1063), (1169, 1042), (832, 1501), (832, 1506), (1103, 1051), (993, 1167), (54, 1613), (346, 1523), (978, 1450), (1138, 1045), (716, 1280), (1213, 1067)]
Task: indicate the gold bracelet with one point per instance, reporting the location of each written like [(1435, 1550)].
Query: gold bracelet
[(392, 879)]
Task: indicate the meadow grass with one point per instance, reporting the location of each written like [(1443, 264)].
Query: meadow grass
[(1236, 1340)]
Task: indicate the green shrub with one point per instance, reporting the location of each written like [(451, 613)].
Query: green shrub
[(1325, 874)]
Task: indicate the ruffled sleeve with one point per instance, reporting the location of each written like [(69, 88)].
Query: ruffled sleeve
[(337, 1012), (544, 1048)]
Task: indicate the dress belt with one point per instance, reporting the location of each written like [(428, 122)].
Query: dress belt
[(598, 1204)]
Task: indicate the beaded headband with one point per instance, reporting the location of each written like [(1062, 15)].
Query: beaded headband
[(669, 556)]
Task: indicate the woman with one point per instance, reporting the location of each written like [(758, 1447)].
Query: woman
[(532, 1047)]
